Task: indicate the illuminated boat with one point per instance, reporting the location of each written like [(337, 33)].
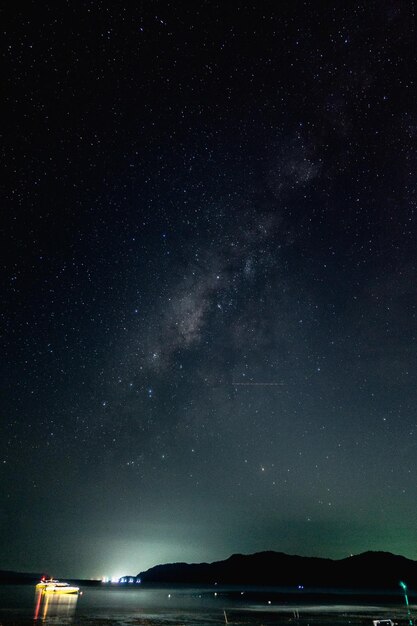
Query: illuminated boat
[(55, 586)]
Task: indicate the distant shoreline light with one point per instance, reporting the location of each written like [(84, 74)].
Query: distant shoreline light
[(120, 580)]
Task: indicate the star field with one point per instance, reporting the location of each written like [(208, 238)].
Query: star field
[(209, 282)]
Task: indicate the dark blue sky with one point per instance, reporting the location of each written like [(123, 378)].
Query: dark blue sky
[(209, 282)]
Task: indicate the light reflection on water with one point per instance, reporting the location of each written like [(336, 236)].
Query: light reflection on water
[(170, 606), (58, 608)]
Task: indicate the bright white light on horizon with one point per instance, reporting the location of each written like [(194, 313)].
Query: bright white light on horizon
[(115, 579), (127, 557)]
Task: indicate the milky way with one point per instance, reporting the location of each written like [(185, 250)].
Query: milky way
[(209, 283)]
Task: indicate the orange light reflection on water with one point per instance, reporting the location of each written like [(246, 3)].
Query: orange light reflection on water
[(54, 605)]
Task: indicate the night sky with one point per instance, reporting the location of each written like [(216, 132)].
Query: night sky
[(208, 309)]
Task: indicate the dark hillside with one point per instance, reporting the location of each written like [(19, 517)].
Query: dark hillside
[(380, 570)]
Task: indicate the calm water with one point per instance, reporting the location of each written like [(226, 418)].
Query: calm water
[(169, 606)]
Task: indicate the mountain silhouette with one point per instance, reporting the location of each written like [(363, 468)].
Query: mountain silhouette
[(380, 570)]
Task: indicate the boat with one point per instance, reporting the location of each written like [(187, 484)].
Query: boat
[(55, 586)]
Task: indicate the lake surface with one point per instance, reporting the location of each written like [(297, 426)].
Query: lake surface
[(21, 605)]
